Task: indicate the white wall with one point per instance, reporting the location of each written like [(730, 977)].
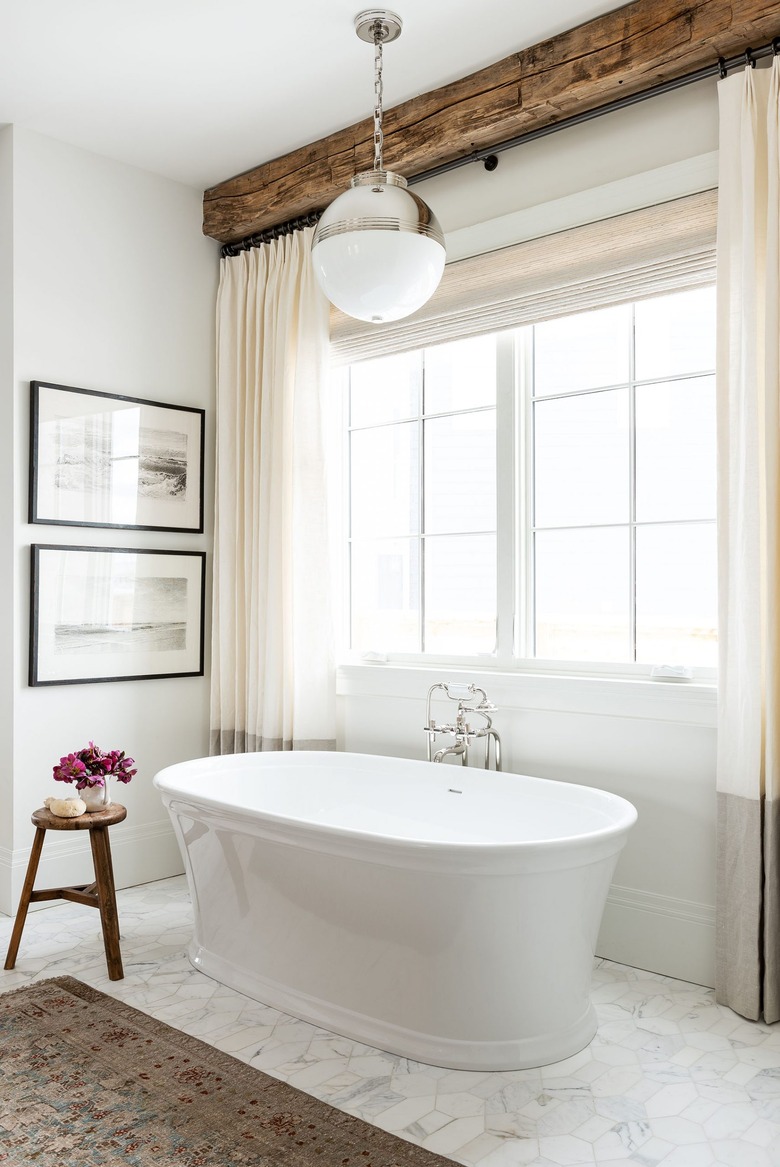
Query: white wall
[(6, 481), (656, 133), (114, 290), (654, 745)]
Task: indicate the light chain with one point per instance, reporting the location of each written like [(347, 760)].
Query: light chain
[(378, 136)]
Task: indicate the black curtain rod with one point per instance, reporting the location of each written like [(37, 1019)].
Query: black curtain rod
[(270, 234), (489, 156), (719, 68)]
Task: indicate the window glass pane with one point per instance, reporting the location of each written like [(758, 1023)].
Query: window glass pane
[(460, 594), (676, 594), (581, 460), (675, 450), (386, 595), (675, 335), (385, 480), (460, 472), (586, 351), (460, 375), (582, 595), (385, 389)]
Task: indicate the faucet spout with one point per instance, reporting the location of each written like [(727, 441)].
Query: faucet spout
[(460, 748)]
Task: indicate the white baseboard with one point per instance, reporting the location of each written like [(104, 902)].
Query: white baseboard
[(141, 853), (6, 863), (662, 934)]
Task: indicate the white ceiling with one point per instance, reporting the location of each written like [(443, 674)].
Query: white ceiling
[(200, 90)]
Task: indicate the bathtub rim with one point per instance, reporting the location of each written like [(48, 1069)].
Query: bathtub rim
[(465, 856)]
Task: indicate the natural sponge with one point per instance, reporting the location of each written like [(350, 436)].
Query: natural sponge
[(65, 808)]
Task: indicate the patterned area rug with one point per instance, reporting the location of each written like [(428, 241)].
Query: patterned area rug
[(86, 1080)]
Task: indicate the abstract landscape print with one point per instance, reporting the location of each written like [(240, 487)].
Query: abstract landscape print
[(111, 614), (148, 615), (109, 461), (162, 465)]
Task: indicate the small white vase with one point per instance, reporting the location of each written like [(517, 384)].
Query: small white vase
[(96, 797)]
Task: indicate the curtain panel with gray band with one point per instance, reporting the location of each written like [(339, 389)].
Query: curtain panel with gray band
[(748, 386), (273, 683)]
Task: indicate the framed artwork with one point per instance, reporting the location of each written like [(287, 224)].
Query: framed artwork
[(100, 460), (115, 614)]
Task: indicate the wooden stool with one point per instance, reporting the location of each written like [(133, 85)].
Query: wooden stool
[(100, 894)]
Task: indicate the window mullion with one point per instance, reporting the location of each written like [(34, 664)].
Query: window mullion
[(344, 381), (522, 495), (421, 500), (505, 517), (632, 481)]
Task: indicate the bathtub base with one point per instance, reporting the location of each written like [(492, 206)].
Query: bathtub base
[(519, 1054)]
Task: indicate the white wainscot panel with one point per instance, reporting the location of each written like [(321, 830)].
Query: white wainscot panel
[(651, 743)]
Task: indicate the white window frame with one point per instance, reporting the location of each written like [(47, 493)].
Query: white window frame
[(514, 541)]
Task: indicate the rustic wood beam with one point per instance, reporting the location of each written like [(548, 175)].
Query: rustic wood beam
[(623, 52)]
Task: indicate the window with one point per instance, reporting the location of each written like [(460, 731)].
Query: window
[(545, 493), (423, 500)]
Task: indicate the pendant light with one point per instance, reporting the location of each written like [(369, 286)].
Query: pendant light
[(378, 249)]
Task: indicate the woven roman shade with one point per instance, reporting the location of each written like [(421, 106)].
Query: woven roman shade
[(643, 253)]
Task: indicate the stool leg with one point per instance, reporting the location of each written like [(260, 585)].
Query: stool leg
[(24, 899), (109, 918)]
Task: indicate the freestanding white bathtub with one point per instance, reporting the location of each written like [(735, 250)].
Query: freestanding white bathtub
[(445, 914)]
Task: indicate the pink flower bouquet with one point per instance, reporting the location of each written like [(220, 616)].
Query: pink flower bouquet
[(91, 767)]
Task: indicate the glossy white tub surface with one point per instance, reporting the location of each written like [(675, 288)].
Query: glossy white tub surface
[(442, 913)]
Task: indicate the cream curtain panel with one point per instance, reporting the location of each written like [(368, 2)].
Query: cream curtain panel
[(748, 767), (273, 683)]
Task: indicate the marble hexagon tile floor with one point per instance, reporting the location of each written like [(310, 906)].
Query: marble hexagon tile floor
[(670, 1080)]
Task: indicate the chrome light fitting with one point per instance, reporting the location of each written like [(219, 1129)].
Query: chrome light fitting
[(378, 249)]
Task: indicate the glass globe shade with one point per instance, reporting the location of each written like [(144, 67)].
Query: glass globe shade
[(378, 250)]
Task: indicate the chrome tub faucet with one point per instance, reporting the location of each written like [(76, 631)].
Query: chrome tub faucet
[(472, 701)]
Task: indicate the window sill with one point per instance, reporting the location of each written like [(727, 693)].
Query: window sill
[(686, 703)]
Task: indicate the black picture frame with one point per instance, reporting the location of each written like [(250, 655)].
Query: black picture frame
[(104, 460), (101, 614)]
